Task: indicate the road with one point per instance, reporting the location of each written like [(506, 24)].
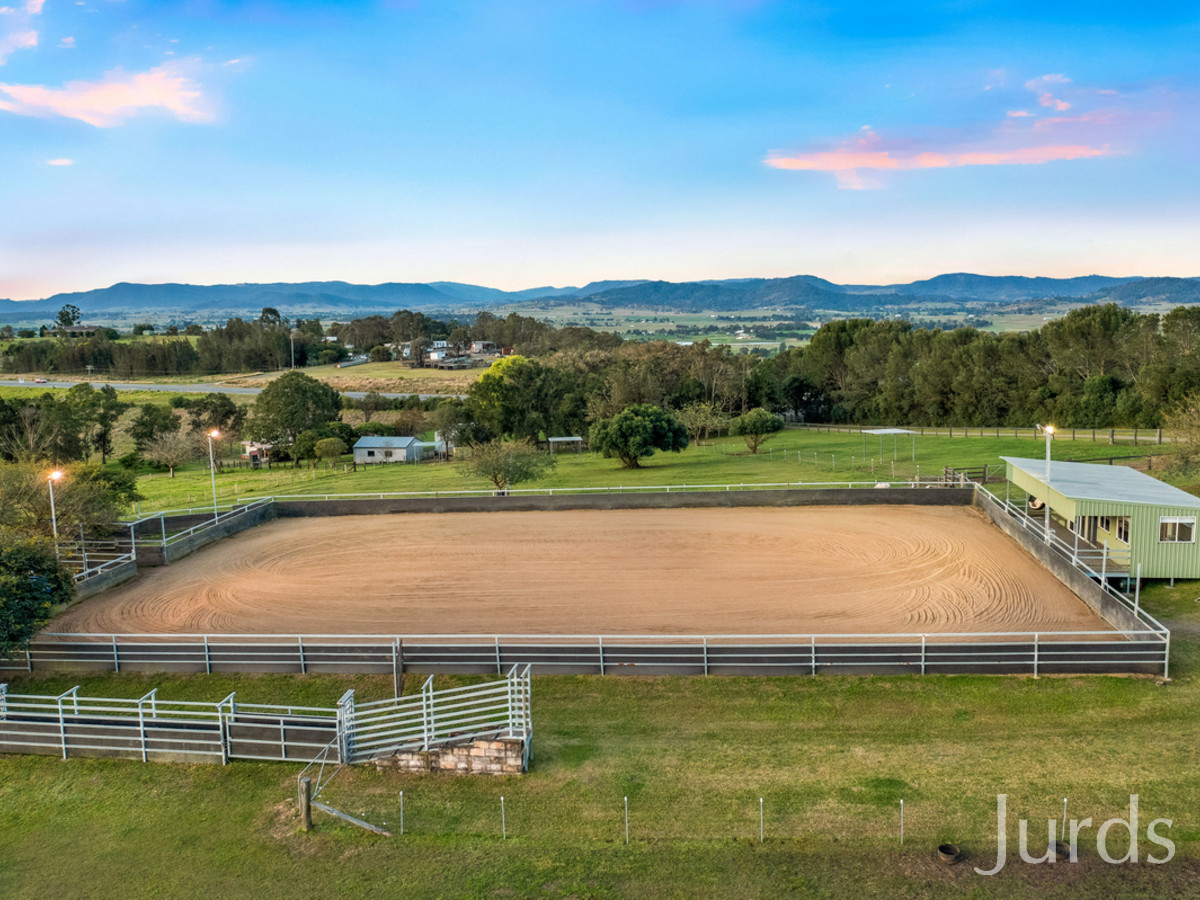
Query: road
[(216, 388)]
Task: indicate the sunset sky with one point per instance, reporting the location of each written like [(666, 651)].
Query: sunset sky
[(521, 144)]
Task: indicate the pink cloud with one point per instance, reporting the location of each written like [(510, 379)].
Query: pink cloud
[(848, 163), (14, 41), (62, 161), (112, 100), (1050, 100), (1018, 113)]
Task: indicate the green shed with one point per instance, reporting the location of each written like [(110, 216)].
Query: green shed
[(1138, 519)]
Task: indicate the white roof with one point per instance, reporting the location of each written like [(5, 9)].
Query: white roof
[(888, 431), (382, 442), (1090, 481)]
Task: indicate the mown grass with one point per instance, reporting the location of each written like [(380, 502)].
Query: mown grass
[(830, 756), (793, 456)]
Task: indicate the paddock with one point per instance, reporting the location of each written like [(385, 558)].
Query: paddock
[(806, 570)]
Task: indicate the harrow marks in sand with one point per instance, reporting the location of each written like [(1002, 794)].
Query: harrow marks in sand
[(647, 571)]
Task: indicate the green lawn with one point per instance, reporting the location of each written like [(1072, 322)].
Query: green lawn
[(831, 757), (793, 456)]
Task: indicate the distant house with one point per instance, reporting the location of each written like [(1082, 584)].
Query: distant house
[(257, 453), (378, 449), (483, 347)]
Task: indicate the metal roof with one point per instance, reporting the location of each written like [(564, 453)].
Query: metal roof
[(1089, 481), (379, 442), (888, 431)]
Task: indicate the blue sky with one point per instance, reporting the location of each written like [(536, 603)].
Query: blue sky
[(519, 144)]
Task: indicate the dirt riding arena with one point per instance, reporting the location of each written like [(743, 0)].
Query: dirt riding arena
[(647, 571)]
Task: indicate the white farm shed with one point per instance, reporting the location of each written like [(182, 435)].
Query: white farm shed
[(377, 449)]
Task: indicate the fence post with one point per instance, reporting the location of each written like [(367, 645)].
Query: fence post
[(1035, 654), (922, 654), (396, 668), (705, 640), (162, 520), (812, 649), (600, 639), (116, 656), (142, 727), (306, 803), (3, 701), (499, 669), (207, 658), (345, 722), (300, 641)]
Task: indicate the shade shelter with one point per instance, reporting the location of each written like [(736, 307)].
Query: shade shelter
[(1118, 508), (895, 433)]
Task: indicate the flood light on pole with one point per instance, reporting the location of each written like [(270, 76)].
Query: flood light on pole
[(54, 476), (212, 467)]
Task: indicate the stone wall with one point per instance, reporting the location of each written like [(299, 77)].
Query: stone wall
[(503, 756)]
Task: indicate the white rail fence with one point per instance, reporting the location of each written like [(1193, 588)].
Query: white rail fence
[(151, 729), (747, 654)]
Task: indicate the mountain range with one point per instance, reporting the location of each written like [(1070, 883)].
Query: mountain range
[(339, 299)]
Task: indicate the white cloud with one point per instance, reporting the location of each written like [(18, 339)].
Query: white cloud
[(67, 42), (111, 101), (61, 161), (16, 40)]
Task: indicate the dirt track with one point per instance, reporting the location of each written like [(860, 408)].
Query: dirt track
[(686, 571)]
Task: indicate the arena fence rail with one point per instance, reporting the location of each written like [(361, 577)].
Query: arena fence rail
[(1032, 653)]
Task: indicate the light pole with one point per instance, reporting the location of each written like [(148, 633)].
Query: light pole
[(54, 476), (1048, 431), (212, 468)]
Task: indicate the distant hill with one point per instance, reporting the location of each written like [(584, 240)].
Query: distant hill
[(341, 300), (1151, 290)]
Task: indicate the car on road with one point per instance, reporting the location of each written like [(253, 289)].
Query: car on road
[(39, 381)]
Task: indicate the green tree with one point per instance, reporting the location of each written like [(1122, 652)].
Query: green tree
[(107, 411), (32, 584), (636, 432), (329, 449), (292, 403), (152, 421), (68, 316), (756, 427), (507, 463), (380, 353), (1182, 425)]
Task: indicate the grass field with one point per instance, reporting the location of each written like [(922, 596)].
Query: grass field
[(830, 756), (793, 456)]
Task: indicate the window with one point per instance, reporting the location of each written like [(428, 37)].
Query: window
[(1123, 529), (1106, 523), (370, 453), (1176, 529)]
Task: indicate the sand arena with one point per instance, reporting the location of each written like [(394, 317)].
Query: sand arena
[(823, 570)]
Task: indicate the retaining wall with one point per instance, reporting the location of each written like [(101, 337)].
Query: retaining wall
[(151, 555), (1113, 611), (640, 500), (106, 579), (503, 756)]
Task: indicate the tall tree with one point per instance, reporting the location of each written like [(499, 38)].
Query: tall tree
[(292, 403)]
